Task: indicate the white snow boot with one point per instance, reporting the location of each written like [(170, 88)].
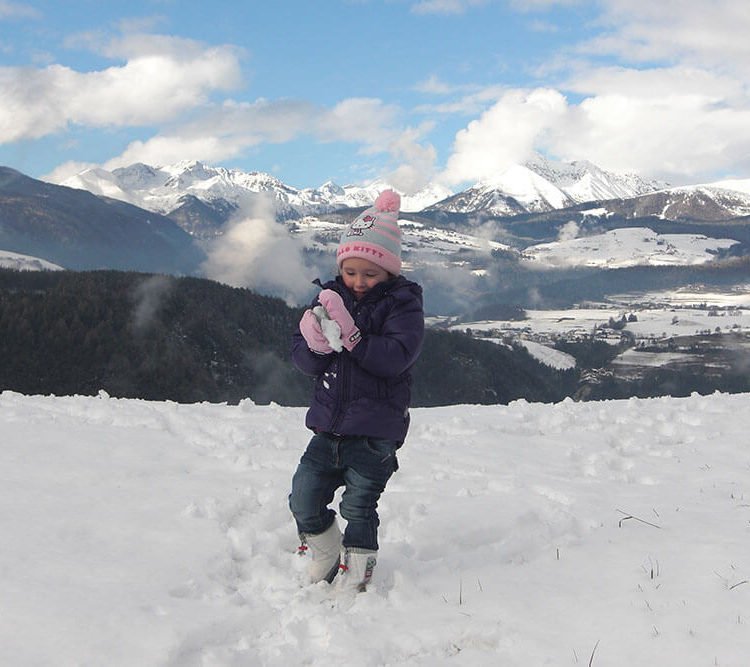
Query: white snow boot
[(325, 549), (356, 568)]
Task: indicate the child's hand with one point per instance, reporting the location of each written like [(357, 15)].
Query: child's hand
[(309, 327), (333, 303), (330, 328)]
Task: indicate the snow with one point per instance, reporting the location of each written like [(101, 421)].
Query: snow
[(603, 533), (161, 188), (650, 316), (19, 262), (533, 191), (539, 185), (330, 328), (549, 322), (735, 184), (548, 355), (627, 247)]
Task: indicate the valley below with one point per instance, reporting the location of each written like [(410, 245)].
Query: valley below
[(640, 344)]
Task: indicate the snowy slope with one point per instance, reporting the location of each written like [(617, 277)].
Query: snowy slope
[(541, 185), (18, 262), (583, 181), (527, 187), (732, 196), (619, 248), (610, 533)]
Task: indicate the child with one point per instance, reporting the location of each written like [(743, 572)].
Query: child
[(360, 408)]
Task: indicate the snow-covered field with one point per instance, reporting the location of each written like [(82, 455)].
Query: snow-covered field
[(619, 248), (613, 533), (658, 314)]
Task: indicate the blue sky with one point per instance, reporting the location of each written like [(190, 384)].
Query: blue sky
[(413, 91)]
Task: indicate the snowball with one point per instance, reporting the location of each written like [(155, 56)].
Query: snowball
[(331, 329)]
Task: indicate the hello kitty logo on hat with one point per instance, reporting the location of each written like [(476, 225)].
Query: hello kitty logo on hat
[(358, 227), (378, 234)]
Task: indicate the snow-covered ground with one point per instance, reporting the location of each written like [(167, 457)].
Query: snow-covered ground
[(549, 356), (627, 247), (611, 533), (19, 262), (681, 312)]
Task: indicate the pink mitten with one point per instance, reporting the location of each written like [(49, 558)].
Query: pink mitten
[(334, 304), (309, 327)]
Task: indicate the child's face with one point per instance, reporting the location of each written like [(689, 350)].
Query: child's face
[(361, 275)]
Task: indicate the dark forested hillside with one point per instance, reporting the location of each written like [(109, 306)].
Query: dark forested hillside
[(187, 339), (146, 336)]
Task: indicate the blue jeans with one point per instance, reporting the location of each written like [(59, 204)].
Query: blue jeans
[(362, 465)]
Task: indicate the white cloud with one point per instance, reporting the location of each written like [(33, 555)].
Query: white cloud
[(675, 138), (222, 132), (226, 131), (361, 120), (66, 170), (706, 34), (258, 253), (678, 135), (167, 149), (445, 6), (162, 81), (675, 107), (568, 231), (17, 10), (504, 134), (467, 99), (656, 83), (417, 161), (434, 86)]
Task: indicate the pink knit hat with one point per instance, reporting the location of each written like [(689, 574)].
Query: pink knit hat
[(374, 234)]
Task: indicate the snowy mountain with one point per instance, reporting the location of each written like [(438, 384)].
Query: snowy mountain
[(607, 533), (187, 186), (77, 230), (164, 189), (202, 198), (709, 203), (542, 185), (539, 185)]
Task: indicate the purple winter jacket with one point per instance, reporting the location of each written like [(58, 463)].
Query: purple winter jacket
[(367, 391)]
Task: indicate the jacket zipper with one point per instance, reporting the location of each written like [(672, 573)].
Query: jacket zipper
[(343, 388), (344, 370)]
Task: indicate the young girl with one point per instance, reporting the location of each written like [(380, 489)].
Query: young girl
[(360, 408)]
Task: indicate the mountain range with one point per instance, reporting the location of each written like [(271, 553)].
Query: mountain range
[(216, 193), (535, 186), (202, 198), (488, 242)]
